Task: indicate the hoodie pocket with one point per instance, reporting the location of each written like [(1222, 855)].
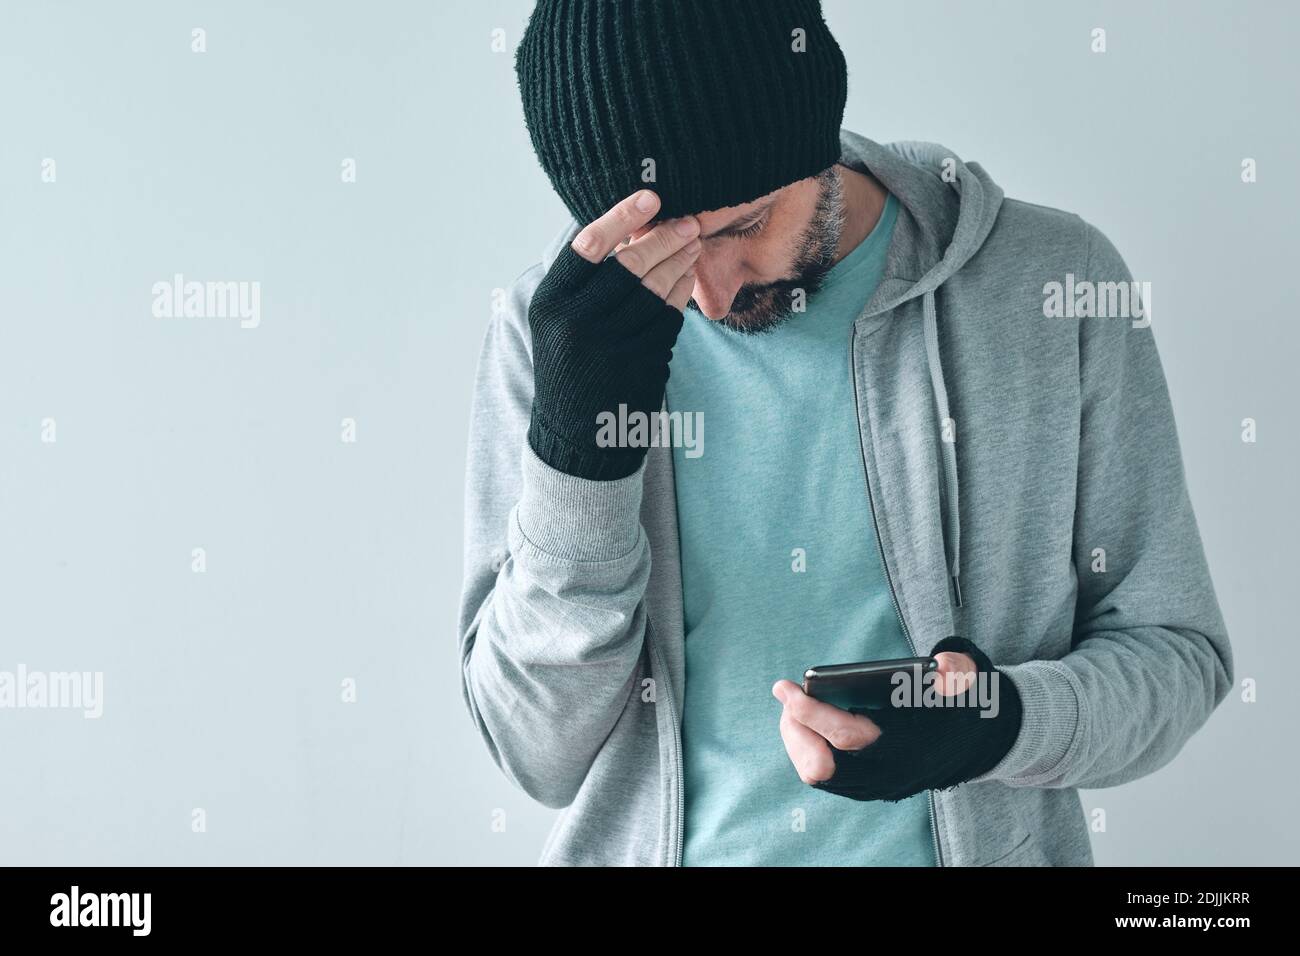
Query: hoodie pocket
[(1024, 853)]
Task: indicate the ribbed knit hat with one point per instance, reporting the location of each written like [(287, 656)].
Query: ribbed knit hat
[(723, 100)]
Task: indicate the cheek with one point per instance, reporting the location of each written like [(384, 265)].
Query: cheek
[(769, 257), (757, 261)]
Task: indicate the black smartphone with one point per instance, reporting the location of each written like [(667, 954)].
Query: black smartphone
[(866, 684)]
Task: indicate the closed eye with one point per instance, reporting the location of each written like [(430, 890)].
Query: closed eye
[(758, 220), (750, 231)]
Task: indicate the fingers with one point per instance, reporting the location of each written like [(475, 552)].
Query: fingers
[(955, 673), (598, 239), (636, 234), (839, 728), (810, 754), (660, 255), (663, 278), (642, 255), (683, 290)]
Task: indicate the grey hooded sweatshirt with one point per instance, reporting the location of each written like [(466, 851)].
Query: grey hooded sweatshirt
[(1027, 489)]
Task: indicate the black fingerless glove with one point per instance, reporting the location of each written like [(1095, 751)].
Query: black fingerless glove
[(931, 748), (601, 339)]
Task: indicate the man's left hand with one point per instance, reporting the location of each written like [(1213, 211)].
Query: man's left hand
[(895, 752)]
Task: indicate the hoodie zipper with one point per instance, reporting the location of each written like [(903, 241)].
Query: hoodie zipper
[(884, 563), (677, 756)]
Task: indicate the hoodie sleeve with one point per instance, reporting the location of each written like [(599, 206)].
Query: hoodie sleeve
[(552, 618), (1150, 658)]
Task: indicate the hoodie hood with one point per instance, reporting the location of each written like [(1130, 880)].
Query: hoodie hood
[(947, 208)]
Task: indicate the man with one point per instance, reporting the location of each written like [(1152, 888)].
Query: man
[(906, 457)]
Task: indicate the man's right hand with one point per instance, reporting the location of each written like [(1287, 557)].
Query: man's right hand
[(603, 332)]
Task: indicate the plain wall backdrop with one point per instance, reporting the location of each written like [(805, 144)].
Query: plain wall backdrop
[(329, 560)]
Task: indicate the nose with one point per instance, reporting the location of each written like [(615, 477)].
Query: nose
[(716, 285)]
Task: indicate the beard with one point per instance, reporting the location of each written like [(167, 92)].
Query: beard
[(761, 308)]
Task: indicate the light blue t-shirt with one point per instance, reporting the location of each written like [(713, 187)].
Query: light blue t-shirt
[(781, 571)]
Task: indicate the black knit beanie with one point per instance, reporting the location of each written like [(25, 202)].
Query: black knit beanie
[(729, 99)]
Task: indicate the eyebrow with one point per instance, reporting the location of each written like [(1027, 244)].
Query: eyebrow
[(743, 222)]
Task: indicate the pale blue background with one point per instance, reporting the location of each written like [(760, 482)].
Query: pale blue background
[(328, 560)]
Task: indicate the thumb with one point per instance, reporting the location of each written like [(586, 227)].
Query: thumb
[(955, 673)]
